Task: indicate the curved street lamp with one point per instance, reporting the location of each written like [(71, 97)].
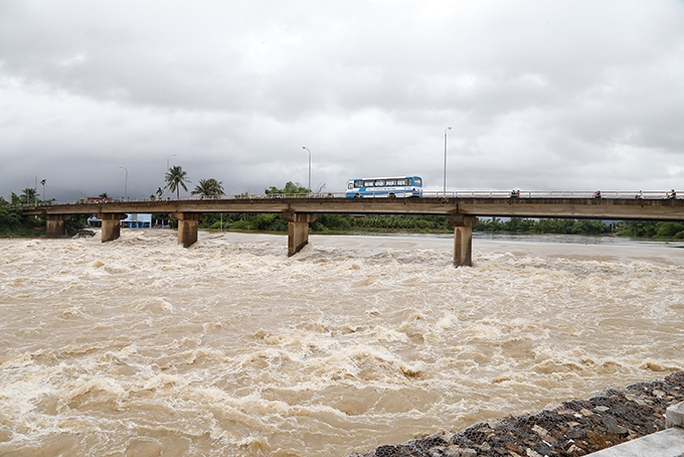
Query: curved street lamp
[(125, 182), (167, 161), (445, 156), (304, 147), (167, 170)]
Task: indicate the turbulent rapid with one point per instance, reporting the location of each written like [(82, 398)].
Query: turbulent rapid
[(140, 347)]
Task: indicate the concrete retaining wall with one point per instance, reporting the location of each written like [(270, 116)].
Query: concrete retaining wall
[(667, 443)]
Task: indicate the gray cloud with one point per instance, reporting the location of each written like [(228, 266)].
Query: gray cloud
[(540, 95)]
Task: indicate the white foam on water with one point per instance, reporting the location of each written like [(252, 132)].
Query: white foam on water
[(231, 348)]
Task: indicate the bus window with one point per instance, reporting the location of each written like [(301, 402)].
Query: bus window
[(368, 183), (391, 182), (358, 183), (380, 182), (402, 182), (418, 182)]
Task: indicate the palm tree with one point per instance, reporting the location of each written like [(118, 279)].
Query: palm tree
[(175, 179), (29, 194), (209, 188)]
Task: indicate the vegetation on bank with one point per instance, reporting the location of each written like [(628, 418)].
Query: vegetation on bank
[(338, 223), (14, 224)]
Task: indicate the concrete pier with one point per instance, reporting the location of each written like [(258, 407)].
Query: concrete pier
[(463, 238), (55, 225), (297, 230), (111, 225), (187, 227)]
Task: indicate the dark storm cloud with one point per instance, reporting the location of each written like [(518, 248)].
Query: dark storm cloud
[(566, 94)]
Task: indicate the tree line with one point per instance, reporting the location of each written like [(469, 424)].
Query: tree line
[(341, 223), (15, 224)]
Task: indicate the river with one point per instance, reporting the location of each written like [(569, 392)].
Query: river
[(140, 347)]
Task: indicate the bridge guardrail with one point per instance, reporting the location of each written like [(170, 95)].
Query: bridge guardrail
[(611, 194)]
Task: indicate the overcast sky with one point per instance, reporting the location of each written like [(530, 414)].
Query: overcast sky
[(540, 94)]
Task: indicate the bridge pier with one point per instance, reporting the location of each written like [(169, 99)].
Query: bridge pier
[(111, 225), (187, 227), (297, 230), (55, 225), (463, 238)]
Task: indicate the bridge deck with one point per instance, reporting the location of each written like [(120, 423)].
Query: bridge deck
[(580, 208)]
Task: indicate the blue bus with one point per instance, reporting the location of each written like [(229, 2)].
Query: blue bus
[(398, 186)]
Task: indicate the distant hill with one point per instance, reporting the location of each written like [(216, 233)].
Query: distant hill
[(60, 194)]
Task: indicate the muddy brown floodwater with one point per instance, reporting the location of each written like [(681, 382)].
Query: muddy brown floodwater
[(139, 347)]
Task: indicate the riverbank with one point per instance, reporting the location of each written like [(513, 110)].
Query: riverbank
[(573, 428)]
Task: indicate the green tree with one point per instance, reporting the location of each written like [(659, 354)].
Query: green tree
[(589, 227), (289, 189), (14, 223), (327, 222), (29, 194), (209, 188), (268, 223), (637, 229), (553, 226), (519, 225), (490, 225), (8, 218), (669, 230), (175, 179)]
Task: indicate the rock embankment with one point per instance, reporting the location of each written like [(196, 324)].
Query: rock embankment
[(574, 428)]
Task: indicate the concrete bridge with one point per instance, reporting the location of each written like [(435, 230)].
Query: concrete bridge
[(461, 209)]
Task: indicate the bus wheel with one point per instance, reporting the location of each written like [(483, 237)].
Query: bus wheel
[(392, 196)]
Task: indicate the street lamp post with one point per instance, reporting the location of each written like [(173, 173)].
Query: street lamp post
[(125, 182), (304, 147), (35, 195), (445, 157), (167, 161)]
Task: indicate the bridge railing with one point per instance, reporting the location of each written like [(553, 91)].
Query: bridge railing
[(611, 194), (614, 194)]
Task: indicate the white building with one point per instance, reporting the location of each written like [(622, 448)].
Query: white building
[(131, 221)]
